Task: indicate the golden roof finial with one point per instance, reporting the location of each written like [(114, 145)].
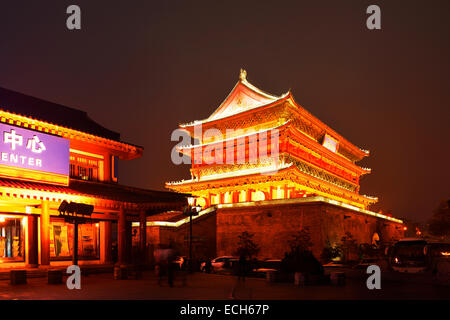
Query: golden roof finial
[(243, 75)]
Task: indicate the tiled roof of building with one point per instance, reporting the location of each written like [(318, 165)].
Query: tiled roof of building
[(99, 190), (53, 113), (168, 216)]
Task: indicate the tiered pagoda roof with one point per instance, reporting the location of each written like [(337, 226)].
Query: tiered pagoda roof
[(246, 101)]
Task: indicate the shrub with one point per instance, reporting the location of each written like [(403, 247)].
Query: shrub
[(330, 252), (246, 246)]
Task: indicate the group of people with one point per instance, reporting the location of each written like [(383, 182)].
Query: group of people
[(167, 265)]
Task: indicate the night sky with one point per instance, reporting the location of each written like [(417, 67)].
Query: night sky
[(143, 67)]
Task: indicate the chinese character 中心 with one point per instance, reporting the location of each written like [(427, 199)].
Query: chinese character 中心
[(35, 145), (13, 138)]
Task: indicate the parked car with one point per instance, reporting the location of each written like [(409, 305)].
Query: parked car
[(266, 266), (437, 252), (220, 263), (409, 255)]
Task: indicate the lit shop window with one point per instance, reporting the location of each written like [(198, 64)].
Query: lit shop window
[(84, 168), (11, 239), (61, 240)]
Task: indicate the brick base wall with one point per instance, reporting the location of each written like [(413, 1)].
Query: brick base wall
[(274, 225)]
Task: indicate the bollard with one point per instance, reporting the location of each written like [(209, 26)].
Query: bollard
[(116, 273), (337, 278), (299, 279), (120, 273), (55, 276), (18, 277), (270, 276)]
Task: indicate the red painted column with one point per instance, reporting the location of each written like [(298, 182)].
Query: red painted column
[(270, 193), (207, 202), (121, 237), (143, 235), (45, 233), (107, 241), (286, 191), (33, 255), (235, 197), (249, 195)]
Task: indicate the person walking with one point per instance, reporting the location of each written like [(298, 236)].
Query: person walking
[(242, 268), (171, 265), (241, 273), (158, 263)]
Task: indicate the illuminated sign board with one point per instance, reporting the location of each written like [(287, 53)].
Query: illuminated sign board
[(330, 143), (33, 156)]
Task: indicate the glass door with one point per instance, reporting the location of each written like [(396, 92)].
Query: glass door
[(11, 239)]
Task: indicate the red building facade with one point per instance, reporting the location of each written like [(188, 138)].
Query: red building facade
[(51, 153)]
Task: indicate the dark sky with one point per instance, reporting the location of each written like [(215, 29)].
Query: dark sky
[(143, 67)]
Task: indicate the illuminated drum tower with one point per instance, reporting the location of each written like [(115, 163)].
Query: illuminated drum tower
[(259, 151)]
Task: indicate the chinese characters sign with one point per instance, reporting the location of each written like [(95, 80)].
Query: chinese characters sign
[(32, 155), (330, 143)]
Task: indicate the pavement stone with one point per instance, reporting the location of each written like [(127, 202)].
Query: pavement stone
[(200, 286)]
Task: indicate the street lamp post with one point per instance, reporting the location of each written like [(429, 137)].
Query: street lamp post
[(190, 210), (75, 243), (190, 240)]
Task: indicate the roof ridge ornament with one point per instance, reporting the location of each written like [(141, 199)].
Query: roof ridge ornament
[(243, 75)]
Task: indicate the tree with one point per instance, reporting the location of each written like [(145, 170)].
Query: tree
[(301, 241), (439, 224), (246, 246), (331, 251), (300, 258)]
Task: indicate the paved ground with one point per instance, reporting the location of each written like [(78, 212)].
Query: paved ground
[(214, 286), (42, 270)]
